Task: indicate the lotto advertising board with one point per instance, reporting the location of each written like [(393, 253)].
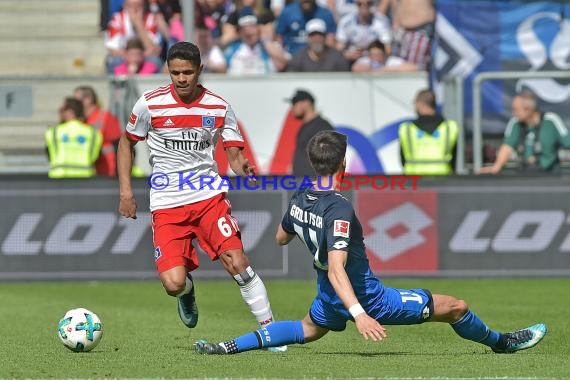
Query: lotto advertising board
[(72, 230), (459, 227), (463, 227), (400, 229), (513, 230)]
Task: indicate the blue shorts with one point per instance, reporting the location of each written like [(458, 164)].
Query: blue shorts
[(394, 307)]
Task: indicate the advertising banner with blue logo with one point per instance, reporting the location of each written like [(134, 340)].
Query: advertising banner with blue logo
[(489, 36)]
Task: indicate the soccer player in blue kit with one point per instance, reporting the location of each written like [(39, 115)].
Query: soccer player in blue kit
[(346, 287)]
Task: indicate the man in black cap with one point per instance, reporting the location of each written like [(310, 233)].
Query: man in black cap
[(303, 104)]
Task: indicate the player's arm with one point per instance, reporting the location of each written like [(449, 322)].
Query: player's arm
[(367, 327), (234, 144), (285, 230), (283, 237), (125, 158), (136, 130)]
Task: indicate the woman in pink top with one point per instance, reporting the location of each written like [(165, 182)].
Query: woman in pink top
[(135, 62)]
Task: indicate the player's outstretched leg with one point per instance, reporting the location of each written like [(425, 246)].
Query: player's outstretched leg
[(521, 339), (469, 326), (275, 334), (254, 293), (187, 308)]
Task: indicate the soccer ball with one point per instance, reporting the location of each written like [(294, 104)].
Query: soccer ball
[(80, 330)]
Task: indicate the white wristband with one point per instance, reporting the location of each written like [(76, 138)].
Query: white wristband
[(355, 310)]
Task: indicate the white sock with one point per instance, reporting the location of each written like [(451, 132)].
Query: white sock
[(255, 295), (187, 288)]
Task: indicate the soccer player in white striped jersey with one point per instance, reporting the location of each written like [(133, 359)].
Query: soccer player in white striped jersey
[(181, 123)]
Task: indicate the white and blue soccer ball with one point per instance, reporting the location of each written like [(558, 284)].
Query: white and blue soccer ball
[(80, 330)]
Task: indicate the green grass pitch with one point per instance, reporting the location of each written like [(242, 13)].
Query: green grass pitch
[(143, 337)]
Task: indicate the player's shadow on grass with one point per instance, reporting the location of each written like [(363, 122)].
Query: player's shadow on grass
[(401, 353), (368, 354)]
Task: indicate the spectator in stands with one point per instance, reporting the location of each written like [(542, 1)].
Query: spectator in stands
[(376, 59), (104, 122), (251, 55), (242, 8), (534, 135), (317, 56), (341, 8), (428, 143), (303, 108), (413, 25), (135, 62), (212, 57), (132, 21), (72, 146), (211, 13), (358, 29), (169, 9), (291, 24), (168, 15), (276, 6), (107, 8)]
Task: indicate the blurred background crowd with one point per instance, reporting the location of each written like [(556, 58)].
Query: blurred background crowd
[(364, 62), (252, 37)]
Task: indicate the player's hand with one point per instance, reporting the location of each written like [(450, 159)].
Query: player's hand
[(128, 206), (249, 170), (369, 328)]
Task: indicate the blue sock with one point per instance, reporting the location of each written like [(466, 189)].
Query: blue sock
[(472, 328), (273, 335)]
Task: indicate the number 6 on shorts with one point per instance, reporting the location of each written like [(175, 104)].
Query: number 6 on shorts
[(224, 226)]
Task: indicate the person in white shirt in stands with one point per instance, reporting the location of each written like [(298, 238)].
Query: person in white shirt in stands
[(358, 29), (252, 55)]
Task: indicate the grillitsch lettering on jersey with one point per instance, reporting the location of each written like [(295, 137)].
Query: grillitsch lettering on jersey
[(306, 217)]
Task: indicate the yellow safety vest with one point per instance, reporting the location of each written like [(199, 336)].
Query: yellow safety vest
[(73, 149), (428, 154)]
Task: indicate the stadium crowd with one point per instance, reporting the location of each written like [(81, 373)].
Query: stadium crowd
[(256, 37)]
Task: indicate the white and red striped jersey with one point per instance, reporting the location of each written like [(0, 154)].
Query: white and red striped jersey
[(182, 138)]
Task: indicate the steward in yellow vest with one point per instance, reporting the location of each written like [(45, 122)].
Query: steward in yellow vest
[(428, 143), (73, 146)]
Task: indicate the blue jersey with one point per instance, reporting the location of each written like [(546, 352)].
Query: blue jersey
[(325, 221)]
